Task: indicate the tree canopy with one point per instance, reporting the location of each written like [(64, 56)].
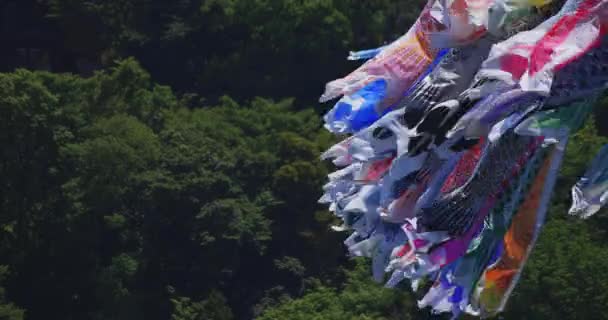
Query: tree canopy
[(177, 175)]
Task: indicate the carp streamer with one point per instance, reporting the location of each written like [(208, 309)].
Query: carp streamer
[(456, 132)]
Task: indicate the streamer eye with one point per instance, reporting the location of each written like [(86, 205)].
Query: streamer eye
[(412, 117), (382, 133)]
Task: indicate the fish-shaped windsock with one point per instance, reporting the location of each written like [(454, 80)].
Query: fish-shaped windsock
[(455, 71), (531, 59), (590, 193), (380, 83), (399, 63), (450, 168)]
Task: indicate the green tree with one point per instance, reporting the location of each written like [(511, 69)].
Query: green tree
[(115, 191), (288, 48), (358, 298), (213, 308), (8, 310)]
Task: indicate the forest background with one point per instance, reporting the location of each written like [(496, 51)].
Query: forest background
[(160, 161)]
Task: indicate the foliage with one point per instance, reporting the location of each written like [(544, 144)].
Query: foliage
[(564, 278), (114, 191), (121, 199), (359, 298), (8, 310), (213, 308), (278, 48)]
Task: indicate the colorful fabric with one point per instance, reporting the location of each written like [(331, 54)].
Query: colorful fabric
[(454, 153), (365, 54), (532, 58), (590, 193), (399, 64), (499, 278)]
